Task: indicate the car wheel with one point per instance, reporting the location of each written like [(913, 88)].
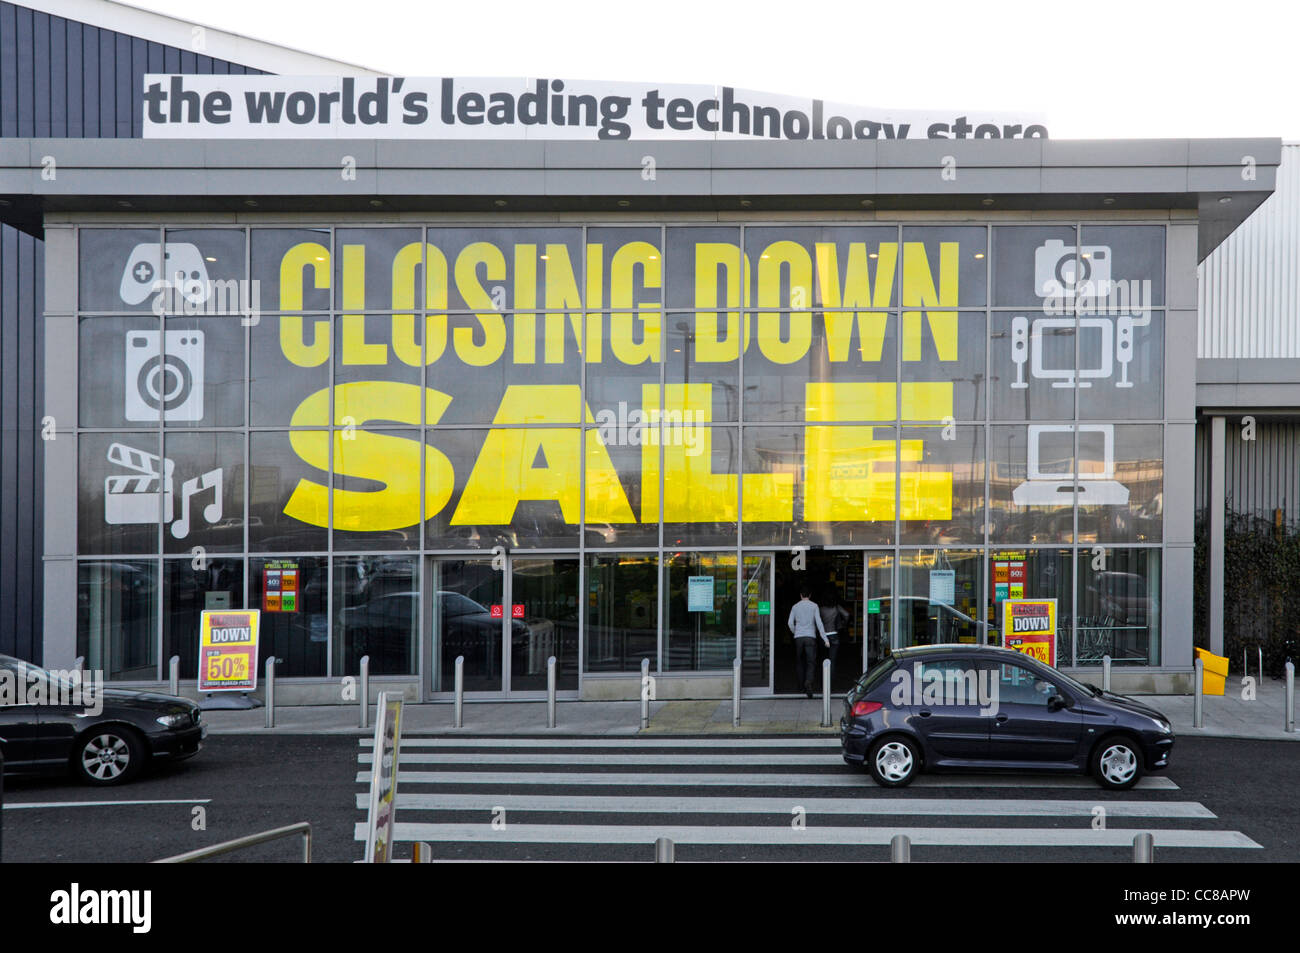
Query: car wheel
[(1117, 763), (110, 755), (894, 762)]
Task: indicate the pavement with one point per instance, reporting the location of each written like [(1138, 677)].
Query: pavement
[(1226, 716)]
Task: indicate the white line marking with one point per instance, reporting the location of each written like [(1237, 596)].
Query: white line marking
[(612, 743), (36, 805), (848, 780), (812, 835), (767, 805)]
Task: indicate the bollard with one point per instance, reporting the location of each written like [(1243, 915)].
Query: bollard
[(900, 849), (826, 693), (1290, 696), (1198, 698), (663, 851), (645, 694), (270, 692), (1144, 849), (550, 692), (1105, 673), (421, 853), (460, 691), (174, 675), (735, 693), (364, 694), (1261, 663)]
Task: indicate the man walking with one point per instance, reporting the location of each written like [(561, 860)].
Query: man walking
[(806, 623)]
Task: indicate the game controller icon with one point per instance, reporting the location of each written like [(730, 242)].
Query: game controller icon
[(182, 270)]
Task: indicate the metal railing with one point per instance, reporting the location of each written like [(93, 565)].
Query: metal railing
[(252, 840)]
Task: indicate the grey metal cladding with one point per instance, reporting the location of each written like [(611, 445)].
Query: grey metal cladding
[(59, 79)]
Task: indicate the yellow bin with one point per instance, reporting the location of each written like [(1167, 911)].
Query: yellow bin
[(1214, 672)]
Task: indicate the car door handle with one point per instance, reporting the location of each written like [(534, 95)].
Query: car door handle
[(1001, 719), (924, 713)]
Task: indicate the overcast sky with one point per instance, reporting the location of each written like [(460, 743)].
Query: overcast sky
[(1097, 69)]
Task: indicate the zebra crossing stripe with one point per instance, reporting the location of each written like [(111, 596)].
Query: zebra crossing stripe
[(749, 779), (784, 835), (565, 803), (544, 743)]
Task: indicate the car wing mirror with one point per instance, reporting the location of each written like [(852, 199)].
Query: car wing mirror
[(1057, 702)]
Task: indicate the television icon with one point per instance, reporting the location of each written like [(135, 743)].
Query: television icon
[(1047, 486), (1027, 347)]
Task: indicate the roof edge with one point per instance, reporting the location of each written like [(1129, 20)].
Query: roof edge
[(215, 42)]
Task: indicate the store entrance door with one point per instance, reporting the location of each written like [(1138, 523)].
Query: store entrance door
[(505, 618), (833, 578)]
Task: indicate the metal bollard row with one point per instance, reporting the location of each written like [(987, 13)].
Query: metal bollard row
[(826, 693), (645, 694), (363, 696), (174, 675), (550, 692), (270, 692), (735, 693), (1198, 698)]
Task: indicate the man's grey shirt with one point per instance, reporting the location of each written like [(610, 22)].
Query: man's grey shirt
[(805, 620)]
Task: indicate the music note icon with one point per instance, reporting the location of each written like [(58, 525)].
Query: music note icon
[(192, 487)]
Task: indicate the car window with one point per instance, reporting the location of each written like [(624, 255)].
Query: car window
[(1020, 685)]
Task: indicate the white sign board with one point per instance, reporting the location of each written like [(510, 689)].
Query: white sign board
[(383, 779), (444, 107), (699, 594), (943, 586)]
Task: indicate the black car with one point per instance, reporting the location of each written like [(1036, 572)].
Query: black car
[(953, 707), (105, 741)]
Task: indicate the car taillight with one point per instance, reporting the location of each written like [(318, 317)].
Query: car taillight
[(866, 708)]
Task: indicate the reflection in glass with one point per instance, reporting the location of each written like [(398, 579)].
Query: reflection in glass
[(699, 617), (376, 610), (1033, 574), (292, 593), (117, 618), (1031, 505), (288, 501), (622, 611), (208, 492), (938, 594), (1121, 481), (465, 595), (756, 631), (547, 590), (1119, 608), (123, 492), (187, 594), (941, 490)]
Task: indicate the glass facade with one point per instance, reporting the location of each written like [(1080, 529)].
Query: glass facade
[(604, 443)]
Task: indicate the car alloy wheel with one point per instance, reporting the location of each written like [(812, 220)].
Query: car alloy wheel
[(1118, 765), (893, 762), (109, 756)]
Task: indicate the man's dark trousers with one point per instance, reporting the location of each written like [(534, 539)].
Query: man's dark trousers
[(805, 653)]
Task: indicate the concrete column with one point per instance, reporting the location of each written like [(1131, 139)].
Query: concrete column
[(1218, 473)]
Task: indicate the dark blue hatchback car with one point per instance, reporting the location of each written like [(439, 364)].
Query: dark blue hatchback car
[(954, 707)]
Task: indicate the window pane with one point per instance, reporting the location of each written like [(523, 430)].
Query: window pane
[(118, 268), (187, 594), (548, 591), (376, 612), (123, 491), (943, 365), (201, 382), (1135, 388), (1132, 254), (701, 638), (622, 611), (1037, 506), (942, 485), (292, 593), (948, 259), (1121, 480), (376, 490), (288, 500), (208, 490), (290, 361), (938, 594), (700, 484), (1119, 608), (366, 262), (1032, 364), (1026, 258), (118, 371), (117, 618), (301, 256), (1033, 574)]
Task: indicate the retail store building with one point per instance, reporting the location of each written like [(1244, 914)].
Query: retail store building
[(417, 400)]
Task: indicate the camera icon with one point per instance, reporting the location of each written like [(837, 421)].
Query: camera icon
[(1060, 271), (168, 383)]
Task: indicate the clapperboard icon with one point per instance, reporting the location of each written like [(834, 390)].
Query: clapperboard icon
[(141, 496)]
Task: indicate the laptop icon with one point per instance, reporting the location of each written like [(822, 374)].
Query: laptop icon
[(1048, 485)]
